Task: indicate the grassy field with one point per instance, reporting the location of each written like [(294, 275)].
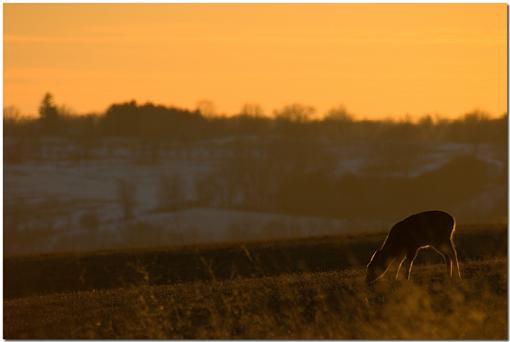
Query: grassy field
[(288, 289)]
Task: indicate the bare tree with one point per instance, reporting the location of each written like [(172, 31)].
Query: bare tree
[(126, 192), (171, 191)]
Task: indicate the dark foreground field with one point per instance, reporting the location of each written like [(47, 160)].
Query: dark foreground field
[(289, 289)]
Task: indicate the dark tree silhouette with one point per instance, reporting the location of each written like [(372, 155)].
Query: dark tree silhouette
[(49, 115)]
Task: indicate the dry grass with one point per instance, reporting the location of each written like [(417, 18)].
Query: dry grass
[(312, 305)]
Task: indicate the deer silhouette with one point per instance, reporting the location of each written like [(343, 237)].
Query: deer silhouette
[(426, 229)]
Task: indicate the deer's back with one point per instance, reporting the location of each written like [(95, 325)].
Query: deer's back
[(422, 229)]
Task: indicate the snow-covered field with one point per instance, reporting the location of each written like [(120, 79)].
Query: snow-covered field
[(91, 188), (77, 204)]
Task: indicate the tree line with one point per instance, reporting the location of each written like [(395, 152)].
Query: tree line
[(153, 122)]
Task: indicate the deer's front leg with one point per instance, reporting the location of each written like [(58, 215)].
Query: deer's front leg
[(409, 262), (399, 266)]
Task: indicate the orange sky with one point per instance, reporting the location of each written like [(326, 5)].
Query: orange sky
[(378, 60)]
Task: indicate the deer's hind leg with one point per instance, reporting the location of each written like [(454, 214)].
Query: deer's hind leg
[(453, 252), (445, 251)]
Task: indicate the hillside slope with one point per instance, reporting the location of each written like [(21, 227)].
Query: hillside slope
[(307, 305)]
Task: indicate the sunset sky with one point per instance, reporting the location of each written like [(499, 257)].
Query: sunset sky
[(377, 60)]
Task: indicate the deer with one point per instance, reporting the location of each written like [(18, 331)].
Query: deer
[(432, 229)]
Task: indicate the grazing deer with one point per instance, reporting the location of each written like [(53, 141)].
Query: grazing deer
[(427, 229)]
